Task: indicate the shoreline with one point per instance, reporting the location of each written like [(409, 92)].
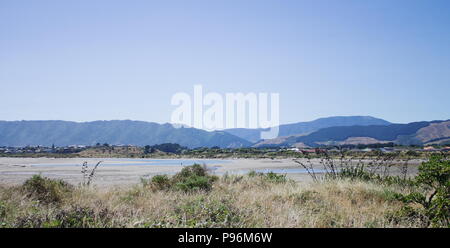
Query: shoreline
[(129, 171)]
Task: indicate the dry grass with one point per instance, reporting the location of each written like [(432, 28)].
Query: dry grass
[(233, 201)]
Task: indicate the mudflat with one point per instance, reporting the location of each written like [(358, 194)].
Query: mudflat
[(126, 171)]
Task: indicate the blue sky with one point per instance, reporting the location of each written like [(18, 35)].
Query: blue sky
[(101, 60)]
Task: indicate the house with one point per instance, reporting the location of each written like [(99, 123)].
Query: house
[(295, 149), (429, 149)]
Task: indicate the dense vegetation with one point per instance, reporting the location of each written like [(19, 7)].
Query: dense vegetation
[(428, 199), (166, 147), (193, 198)]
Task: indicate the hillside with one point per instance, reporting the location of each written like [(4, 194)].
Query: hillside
[(415, 133), (302, 128), (63, 133), (434, 133)]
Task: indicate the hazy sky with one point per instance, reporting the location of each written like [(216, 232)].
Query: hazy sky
[(101, 60)]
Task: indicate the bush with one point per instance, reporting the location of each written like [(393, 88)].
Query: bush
[(74, 217), (275, 178), (252, 173), (193, 177), (80, 217), (434, 199), (46, 190), (357, 173), (194, 183), (406, 215), (193, 170), (270, 177), (161, 182), (190, 178), (367, 176), (203, 212)]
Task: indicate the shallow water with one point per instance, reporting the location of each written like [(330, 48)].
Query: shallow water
[(139, 162), (213, 170), (278, 171), (210, 163)]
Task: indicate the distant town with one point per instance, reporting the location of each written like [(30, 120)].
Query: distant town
[(176, 149)]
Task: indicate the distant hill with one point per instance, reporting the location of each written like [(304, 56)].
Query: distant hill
[(354, 130), (62, 133), (415, 133), (301, 128)]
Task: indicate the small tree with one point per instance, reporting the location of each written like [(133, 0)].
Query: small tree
[(147, 149), (434, 177)]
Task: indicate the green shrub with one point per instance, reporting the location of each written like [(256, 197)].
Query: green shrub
[(80, 217), (74, 217), (269, 177), (161, 182), (190, 178), (203, 212), (252, 173), (193, 183), (359, 173), (34, 220), (406, 215), (46, 190), (189, 171), (434, 198), (275, 178), (193, 178)]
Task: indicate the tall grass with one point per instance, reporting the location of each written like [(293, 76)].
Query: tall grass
[(428, 199), (255, 200)]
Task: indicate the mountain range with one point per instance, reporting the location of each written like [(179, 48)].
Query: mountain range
[(63, 133), (300, 128), (337, 130), (415, 133)]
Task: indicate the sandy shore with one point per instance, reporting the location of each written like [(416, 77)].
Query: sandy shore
[(129, 171)]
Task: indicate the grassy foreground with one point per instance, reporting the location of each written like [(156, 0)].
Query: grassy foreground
[(233, 201), (352, 197)]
